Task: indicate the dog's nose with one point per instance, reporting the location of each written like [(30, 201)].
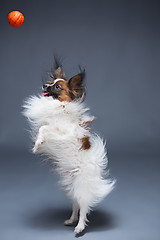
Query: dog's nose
[(44, 86)]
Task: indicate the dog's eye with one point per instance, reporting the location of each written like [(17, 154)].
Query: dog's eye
[(57, 86)]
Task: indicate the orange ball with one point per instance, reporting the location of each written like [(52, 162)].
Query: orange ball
[(15, 19)]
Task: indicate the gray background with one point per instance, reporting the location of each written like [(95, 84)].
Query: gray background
[(118, 44)]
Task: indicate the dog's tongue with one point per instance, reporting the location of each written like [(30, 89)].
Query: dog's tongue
[(44, 93)]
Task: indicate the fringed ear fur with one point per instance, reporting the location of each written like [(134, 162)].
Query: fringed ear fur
[(76, 86), (60, 74), (57, 70)]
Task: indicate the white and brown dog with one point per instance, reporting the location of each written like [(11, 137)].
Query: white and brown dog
[(59, 125)]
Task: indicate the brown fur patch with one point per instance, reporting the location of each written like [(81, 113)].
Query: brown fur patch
[(65, 92), (87, 122), (64, 97), (85, 143)]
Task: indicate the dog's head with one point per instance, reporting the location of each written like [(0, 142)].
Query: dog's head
[(63, 90)]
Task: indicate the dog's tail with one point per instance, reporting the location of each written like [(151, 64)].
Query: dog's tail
[(104, 184)]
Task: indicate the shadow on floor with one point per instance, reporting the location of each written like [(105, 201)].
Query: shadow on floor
[(50, 219)]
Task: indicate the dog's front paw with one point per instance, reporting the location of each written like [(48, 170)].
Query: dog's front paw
[(79, 228), (34, 149), (38, 143)]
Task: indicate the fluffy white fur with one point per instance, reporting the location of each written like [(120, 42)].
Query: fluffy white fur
[(57, 128)]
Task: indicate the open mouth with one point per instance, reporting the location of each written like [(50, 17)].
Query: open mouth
[(47, 94)]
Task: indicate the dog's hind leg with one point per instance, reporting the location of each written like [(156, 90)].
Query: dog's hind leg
[(82, 219), (74, 216)]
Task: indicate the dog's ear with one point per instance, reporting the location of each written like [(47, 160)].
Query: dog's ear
[(59, 74), (56, 71), (76, 86)]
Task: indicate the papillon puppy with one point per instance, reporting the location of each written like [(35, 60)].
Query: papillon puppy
[(60, 130)]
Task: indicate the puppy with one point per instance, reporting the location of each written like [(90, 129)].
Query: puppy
[(59, 124)]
